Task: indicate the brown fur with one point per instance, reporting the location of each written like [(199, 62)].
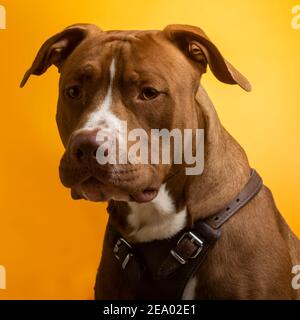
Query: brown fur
[(254, 257)]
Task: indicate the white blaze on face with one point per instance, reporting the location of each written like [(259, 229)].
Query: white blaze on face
[(106, 104), (102, 117), (111, 128)]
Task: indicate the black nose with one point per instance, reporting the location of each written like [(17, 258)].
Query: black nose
[(83, 146)]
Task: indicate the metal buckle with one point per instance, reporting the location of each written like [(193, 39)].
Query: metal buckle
[(122, 241), (194, 239)]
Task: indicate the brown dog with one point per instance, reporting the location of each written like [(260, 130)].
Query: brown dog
[(150, 79)]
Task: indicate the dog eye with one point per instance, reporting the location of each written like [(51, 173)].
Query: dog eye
[(149, 93), (74, 92)]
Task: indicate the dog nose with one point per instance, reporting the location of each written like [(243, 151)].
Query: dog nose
[(84, 145)]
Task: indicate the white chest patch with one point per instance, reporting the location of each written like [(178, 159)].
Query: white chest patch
[(157, 219)]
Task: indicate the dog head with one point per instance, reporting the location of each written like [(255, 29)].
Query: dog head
[(144, 79)]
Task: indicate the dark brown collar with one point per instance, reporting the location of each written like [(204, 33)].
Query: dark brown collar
[(160, 269)]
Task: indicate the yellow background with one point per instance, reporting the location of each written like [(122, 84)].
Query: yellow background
[(49, 244)]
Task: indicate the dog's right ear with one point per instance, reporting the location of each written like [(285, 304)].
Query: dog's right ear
[(56, 49)]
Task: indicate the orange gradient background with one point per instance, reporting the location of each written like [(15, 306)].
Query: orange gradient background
[(50, 245)]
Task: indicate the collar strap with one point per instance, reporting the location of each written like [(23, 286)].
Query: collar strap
[(250, 190), (161, 269)]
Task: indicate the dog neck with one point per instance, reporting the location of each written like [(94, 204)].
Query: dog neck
[(183, 199), (226, 167)]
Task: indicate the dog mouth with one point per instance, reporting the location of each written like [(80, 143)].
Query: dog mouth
[(101, 183), (93, 189)]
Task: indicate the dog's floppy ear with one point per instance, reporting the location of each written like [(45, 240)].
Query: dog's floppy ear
[(195, 43), (56, 49)]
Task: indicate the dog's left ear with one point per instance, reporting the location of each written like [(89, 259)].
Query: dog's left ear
[(195, 43), (57, 49)]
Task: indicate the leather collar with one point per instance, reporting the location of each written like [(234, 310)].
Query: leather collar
[(160, 269)]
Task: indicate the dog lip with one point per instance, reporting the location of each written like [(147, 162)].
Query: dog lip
[(73, 176), (91, 179), (90, 189), (75, 195), (144, 196)]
